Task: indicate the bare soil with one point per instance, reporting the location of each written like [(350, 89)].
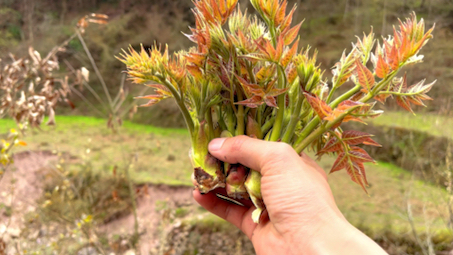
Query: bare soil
[(20, 187), (165, 216)]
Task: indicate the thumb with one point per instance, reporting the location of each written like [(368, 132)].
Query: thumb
[(256, 154)]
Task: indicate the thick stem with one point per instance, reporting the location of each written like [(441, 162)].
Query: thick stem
[(321, 130), (253, 186), (315, 121), (207, 169), (289, 133), (180, 102), (268, 125), (240, 116), (281, 102), (210, 124)]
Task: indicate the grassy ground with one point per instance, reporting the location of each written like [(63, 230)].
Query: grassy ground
[(156, 153), (433, 124), (161, 157)]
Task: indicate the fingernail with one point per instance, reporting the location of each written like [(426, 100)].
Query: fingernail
[(216, 144)]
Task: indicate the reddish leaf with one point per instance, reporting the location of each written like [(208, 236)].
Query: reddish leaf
[(361, 168), (415, 100), (270, 50), (352, 137), (288, 56), (357, 96), (279, 18), (195, 71), (347, 104), (319, 106), (160, 89), (331, 146), (348, 118), (249, 88), (341, 109), (358, 154), (196, 58), (265, 73), (275, 92), (279, 49), (365, 76), (340, 163), (271, 101), (404, 103), (288, 19), (292, 33), (291, 73), (225, 76), (252, 102), (153, 99), (382, 68), (354, 172), (393, 58)]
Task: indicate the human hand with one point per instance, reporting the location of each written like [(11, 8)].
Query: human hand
[(302, 216)]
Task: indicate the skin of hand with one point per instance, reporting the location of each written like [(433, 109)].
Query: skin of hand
[(301, 214)]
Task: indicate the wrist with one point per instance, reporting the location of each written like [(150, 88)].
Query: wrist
[(335, 235)]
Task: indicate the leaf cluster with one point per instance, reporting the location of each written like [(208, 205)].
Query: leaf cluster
[(247, 75)]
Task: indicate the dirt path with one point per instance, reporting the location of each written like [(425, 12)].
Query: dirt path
[(20, 187), (161, 215), (151, 209)]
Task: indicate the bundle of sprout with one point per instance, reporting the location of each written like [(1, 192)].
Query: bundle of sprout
[(247, 76)]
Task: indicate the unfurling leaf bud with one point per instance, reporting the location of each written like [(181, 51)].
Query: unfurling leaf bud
[(253, 128), (236, 176)]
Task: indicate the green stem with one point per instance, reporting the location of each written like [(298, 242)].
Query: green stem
[(309, 136), (240, 116), (259, 115), (268, 125), (219, 114), (289, 133), (180, 102), (321, 130), (281, 102), (211, 134), (345, 96), (231, 120), (250, 71), (314, 122), (273, 32)]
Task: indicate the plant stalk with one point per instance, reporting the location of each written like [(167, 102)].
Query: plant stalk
[(96, 70), (281, 102)]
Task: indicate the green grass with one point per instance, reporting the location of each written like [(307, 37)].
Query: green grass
[(157, 155), (433, 124), (385, 209), (162, 158)]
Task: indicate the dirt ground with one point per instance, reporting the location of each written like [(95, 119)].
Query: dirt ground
[(20, 187), (162, 217)]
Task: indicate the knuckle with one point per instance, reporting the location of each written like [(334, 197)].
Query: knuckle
[(283, 150), (237, 144), (281, 154)]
